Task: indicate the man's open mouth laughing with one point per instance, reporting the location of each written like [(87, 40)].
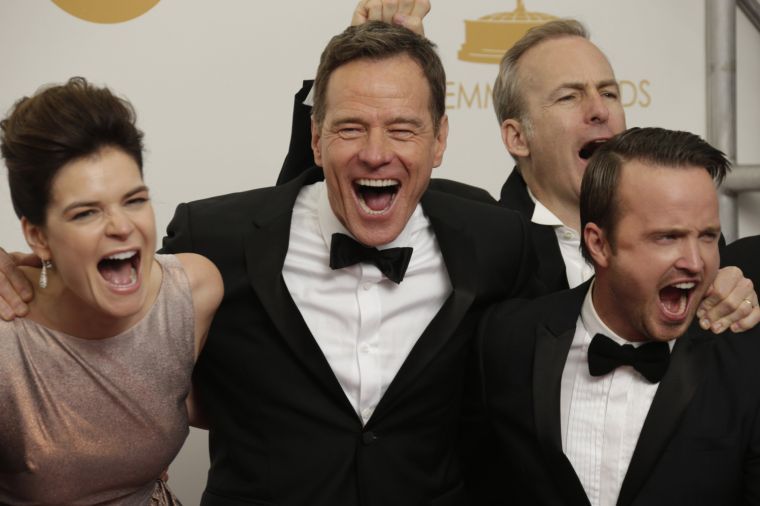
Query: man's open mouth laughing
[(675, 300), (589, 148), (376, 196)]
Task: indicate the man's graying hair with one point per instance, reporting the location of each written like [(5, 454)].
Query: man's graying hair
[(508, 101), (376, 40), (651, 146)]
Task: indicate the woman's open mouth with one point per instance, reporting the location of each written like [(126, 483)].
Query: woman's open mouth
[(121, 270)]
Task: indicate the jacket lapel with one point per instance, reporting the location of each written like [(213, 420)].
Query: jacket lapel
[(553, 341), (456, 248), (266, 245), (687, 362), (551, 266)]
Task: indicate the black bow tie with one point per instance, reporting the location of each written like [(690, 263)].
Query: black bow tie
[(392, 262), (650, 359)]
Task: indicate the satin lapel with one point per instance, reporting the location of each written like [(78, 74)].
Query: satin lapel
[(674, 394), (548, 364), (553, 341), (551, 266), (455, 246), (266, 245)]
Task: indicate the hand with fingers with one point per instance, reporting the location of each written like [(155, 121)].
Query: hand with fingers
[(730, 302), (15, 289), (406, 13)]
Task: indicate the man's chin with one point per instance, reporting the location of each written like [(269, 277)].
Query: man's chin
[(375, 235)]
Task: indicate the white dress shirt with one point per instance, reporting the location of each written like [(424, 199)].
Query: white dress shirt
[(601, 416), (365, 324), (577, 269)]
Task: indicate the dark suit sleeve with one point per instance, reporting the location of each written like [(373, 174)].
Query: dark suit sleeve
[(178, 237), (300, 156), (752, 467), (745, 254)]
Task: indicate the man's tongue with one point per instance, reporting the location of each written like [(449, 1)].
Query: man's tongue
[(377, 201), (674, 300), (117, 272)]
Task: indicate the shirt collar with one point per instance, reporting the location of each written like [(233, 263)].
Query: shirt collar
[(542, 215), (329, 224)]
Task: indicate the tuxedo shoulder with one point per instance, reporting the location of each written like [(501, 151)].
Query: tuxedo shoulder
[(744, 254), (470, 206), (461, 190), (742, 349), (527, 313), (244, 201)]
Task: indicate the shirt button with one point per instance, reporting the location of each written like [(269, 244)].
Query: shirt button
[(568, 235), (366, 286), (366, 413), (364, 348)]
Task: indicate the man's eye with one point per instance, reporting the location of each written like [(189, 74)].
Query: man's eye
[(401, 133), (350, 132), (566, 98), (610, 94), (710, 236)]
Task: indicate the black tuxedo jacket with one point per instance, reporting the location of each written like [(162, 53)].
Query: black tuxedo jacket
[(282, 430), (700, 443), (745, 254), (550, 265)]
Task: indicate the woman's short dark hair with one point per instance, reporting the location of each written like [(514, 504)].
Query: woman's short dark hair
[(58, 125), (655, 146)]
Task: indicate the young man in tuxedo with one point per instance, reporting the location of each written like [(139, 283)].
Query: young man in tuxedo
[(608, 393)]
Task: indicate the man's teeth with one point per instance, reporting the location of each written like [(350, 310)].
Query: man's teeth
[(378, 183), (124, 255), (132, 276), (685, 286)]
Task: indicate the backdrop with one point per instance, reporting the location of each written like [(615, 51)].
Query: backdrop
[(213, 83)]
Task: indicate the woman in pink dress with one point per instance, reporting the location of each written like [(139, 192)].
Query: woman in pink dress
[(95, 380)]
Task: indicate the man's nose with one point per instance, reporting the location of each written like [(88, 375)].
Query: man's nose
[(377, 150), (690, 257), (597, 109)]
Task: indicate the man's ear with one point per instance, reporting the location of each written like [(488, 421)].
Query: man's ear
[(36, 239), (513, 135), (597, 244), (315, 137), (440, 140)]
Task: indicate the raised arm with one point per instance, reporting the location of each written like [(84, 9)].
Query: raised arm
[(407, 13)]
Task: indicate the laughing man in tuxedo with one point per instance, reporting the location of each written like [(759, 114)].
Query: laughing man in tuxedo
[(333, 372), (607, 393)]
